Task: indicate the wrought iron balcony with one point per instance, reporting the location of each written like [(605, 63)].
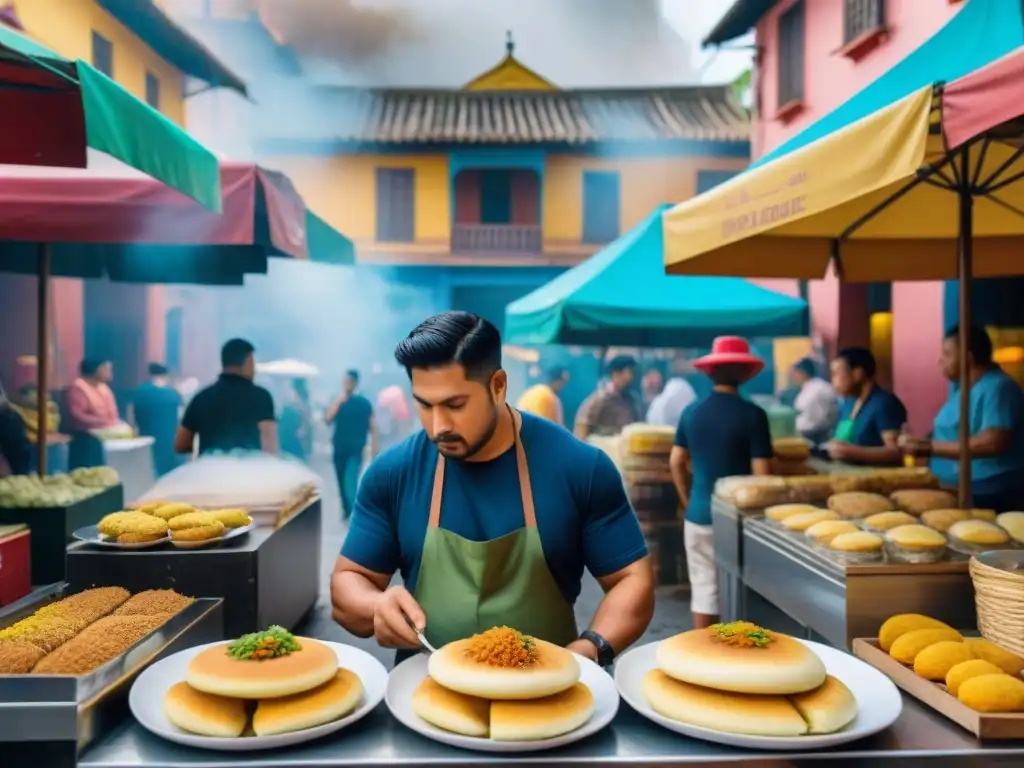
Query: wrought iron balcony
[(497, 238)]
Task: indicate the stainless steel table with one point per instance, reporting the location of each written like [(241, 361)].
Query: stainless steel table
[(379, 740)]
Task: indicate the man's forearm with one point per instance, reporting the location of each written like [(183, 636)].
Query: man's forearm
[(880, 455), (352, 602), (626, 610)]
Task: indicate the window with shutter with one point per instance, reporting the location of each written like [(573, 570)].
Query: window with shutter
[(396, 218), (791, 55), (861, 17), (102, 54), (152, 90), (600, 207)]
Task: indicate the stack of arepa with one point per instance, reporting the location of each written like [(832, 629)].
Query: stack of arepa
[(263, 684), (740, 678), (503, 685)]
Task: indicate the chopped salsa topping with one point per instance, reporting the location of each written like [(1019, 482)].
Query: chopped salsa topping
[(742, 634), (273, 642), (502, 647)]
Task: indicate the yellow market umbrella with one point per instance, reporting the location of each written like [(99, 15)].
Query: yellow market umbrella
[(882, 199)]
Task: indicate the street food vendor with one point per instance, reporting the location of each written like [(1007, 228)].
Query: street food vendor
[(90, 406), (997, 427), (870, 417), (490, 515), (614, 406)]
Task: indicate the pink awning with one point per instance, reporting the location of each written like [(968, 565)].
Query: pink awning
[(984, 99)]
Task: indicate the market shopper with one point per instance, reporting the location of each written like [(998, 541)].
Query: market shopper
[(295, 429), (351, 416), (816, 402), (870, 417), (997, 427), (233, 413), (90, 406), (154, 410), (490, 515), (720, 436), (15, 448), (542, 399), (615, 406), (667, 408)]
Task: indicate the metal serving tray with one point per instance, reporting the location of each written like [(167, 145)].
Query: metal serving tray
[(76, 710)]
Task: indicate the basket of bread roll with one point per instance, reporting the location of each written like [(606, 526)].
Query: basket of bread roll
[(998, 578)]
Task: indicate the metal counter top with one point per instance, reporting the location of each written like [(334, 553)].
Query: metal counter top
[(631, 740)]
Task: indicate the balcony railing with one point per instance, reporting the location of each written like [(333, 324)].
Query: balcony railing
[(496, 238)]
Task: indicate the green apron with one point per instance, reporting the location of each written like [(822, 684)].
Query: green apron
[(844, 429), (465, 587)]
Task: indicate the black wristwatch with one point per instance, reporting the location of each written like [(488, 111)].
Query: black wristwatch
[(605, 652)]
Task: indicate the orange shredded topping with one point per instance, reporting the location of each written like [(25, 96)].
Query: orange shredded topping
[(741, 634), (502, 647)]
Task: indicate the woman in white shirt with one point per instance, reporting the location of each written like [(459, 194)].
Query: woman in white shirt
[(817, 404)]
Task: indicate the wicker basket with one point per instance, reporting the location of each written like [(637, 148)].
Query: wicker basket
[(999, 599)]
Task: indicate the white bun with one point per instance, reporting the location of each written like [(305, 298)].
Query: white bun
[(542, 718), (324, 704), (783, 666), (214, 671), (553, 670), (720, 710), (455, 712), (203, 713), (827, 709)]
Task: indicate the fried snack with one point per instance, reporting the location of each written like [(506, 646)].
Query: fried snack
[(942, 519), (87, 606), (801, 522), (172, 510), (191, 520), (200, 533), (827, 530), (988, 515), (906, 648), (935, 661), (150, 506), (97, 644), (44, 632), (141, 538), (1010, 663), (883, 521), (902, 623), (965, 670), (978, 533), (18, 657), (857, 504), (154, 602), (232, 518), (993, 693), (780, 512), (117, 523), (919, 501)]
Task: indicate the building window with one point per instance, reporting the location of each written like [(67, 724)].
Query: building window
[(152, 90), (862, 17), (710, 179), (600, 207), (102, 54), (791, 55), (396, 218)]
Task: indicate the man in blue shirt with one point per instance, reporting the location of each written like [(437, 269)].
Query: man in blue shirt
[(351, 417), (155, 407), (997, 427), (870, 418), (490, 515), (722, 435)]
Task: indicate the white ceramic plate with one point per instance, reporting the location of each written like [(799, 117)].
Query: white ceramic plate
[(879, 702), (147, 697), (90, 535), (407, 676), (230, 534)]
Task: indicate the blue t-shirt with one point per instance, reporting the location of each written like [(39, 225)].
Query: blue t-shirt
[(996, 403), (723, 433), (881, 412), (583, 515)]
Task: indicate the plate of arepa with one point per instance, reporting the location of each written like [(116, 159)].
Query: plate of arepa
[(501, 691), (743, 686), (246, 696)]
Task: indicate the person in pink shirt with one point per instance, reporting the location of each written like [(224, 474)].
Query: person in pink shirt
[(90, 406)]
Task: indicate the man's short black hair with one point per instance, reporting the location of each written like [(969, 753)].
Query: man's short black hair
[(235, 352), (807, 366), (557, 373), (158, 369), (353, 374), (979, 343), (621, 363), (859, 357), (90, 365), (730, 374), (453, 337)]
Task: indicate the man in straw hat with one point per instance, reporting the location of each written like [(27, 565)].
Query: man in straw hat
[(720, 436)]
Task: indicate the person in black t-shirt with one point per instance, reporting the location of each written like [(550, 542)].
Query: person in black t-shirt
[(351, 415), (232, 413)]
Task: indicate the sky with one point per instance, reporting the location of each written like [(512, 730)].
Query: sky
[(692, 19)]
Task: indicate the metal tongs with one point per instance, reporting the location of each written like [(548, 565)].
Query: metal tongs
[(425, 645)]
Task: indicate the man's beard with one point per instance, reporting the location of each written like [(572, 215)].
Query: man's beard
[(471, 448)]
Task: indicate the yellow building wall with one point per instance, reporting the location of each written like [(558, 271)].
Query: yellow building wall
[(66, 26)]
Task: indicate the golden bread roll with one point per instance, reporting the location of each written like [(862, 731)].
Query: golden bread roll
[(117, 523), (942, 519), (232, 518), (172, 510), (917, 502), (192, 520), (216, 671), (1013, 524), (988, 515), (978, 532), (1010, 663), (800, 523), (502, 663), (883, 521), (857, 541), (827, 709), (965, 670), (857, 504), (898, 625), (721, 710), (935, 661), (455, 712), (908, 645), (214, 530), (780, 512), (326, 703), (827, 530), (741, 657), (544, 718), (203, 713), (993, 693), (915, 537)]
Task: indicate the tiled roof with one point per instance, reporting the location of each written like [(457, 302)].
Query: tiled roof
[(584, 116)]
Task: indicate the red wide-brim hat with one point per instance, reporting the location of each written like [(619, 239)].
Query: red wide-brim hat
[(729, 350)]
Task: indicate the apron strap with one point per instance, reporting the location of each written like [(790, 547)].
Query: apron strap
[(435, 496)]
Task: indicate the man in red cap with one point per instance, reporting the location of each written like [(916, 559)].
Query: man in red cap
[(722, 435)]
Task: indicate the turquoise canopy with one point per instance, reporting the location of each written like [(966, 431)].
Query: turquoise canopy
[(983, 31), (622, 296)]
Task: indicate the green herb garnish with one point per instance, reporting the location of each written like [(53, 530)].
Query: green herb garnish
[(273, 642), (742, 634)]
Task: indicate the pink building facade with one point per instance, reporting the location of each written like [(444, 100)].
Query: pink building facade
[(811, 56)]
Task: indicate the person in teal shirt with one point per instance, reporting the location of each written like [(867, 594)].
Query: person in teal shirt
[(870, 417), (997, 427)]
